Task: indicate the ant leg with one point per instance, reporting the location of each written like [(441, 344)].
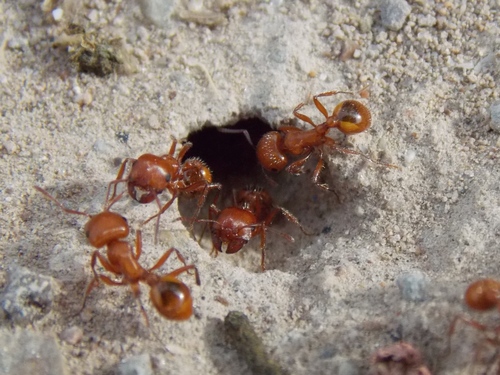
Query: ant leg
[(64, 208), (165, 256), (202, 234), (201, 200), (162, 210), (237, 131), (297, 167), (113, 183), (113, 201), (138, 244), (301, 116), (173, 146), (96, 255), (291, 218), (157, 224), (119, 178), (213, 211), (315, 177), (178, 271), (185, 148), (320, 106), (268, 178), (348, 151), (469, 322), (136, 291), (95, 281), (331, 93), (263, 247)]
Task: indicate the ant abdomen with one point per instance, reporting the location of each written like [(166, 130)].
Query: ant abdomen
[(269, 152), (172, 298), (483, 294), (106, 227), (353, 117)]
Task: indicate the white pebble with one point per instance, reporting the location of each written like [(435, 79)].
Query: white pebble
[(154, 122), (410, 156), (57, 14), (359, 211), (84, 99), (10, 147)]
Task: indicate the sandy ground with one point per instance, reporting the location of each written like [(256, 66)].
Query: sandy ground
[(327, 301)]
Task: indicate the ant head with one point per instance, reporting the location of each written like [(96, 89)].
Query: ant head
[(351, 117), (195, 170), (172, 298), (150, 175), (106, 227), (483, 294)]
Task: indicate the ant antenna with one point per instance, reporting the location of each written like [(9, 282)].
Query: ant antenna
[(237, 131)]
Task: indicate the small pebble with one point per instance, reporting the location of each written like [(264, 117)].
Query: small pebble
[(57, 14), (93, 16), (495, 116), (394, 13), (410, 156), (101, 146), (413, 286), (72, 335), (154, 122), (157, 11), (84, 98), (10, 147), (136, 365)]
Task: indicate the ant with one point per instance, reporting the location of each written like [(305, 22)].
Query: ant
[(150, 175), (275, 147), (481, 295), (250, 216), (171, 297)]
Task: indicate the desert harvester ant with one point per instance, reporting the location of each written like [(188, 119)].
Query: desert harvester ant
[(481, 295), (275, 147), (171, 297), (250, 216), (150, 175)]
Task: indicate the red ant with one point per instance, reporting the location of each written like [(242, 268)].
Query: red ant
[(275, 147), (252, 214), (171, 297), (150, 175), (481, 295)]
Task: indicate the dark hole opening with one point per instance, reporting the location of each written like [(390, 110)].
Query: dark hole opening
[(231, 158)]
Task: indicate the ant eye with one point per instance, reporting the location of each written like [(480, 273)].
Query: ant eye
[(168, 177)]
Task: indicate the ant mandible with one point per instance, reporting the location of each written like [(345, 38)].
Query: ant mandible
[(252, 214), (275, 147), (150, 175), (481, 295), (171, 297)]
